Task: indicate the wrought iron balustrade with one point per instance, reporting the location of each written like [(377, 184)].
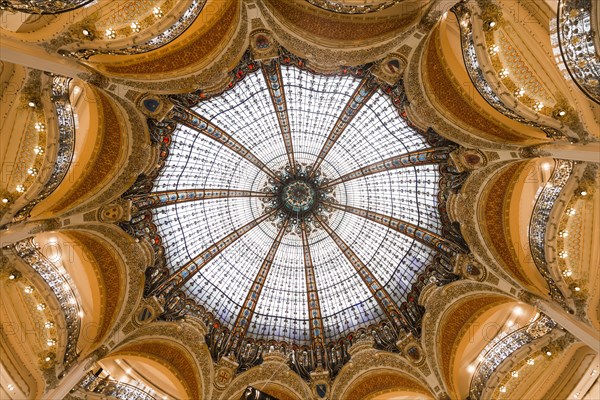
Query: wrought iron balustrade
[(66, 143), (574, 39), (465, 18), (111, 388), (338, 7), (172, 33), (43, 7), (505, 348), (63, 288), (539, 224)]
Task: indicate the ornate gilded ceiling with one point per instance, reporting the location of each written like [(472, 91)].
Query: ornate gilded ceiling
[(275, 193)]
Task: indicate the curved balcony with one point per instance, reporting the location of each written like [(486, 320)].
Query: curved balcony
[(114, 389), (574, 39), (500, 350), (59, 154), (135, 44), (343, 8), (42, 7), (488, 84), (63, 288), (539, 223)]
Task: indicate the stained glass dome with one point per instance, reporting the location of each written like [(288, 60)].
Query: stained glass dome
[(297, 207)]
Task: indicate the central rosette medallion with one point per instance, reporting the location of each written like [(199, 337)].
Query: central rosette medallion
[(298, 196)]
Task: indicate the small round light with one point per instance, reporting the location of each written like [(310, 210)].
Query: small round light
[(51, 342), (32, 171), (562, 113), (48, 325), (28, 289), (492, 24), (31, 104), (48, 359), (41, 307), (20, 188), (110, 33), (515, 374), (38, 150), (577, 289), (502, 389), (12, 276), (548, 353), (583, 193), (563, 254), (531, 361), (5, 200)]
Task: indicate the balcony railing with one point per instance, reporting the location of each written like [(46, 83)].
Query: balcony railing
[(172, 33), (66, 142), (42, 7), (466, 18), (504, 348), (574, 39), (539, 224), (112, 388), (63, 288), (342, 8)]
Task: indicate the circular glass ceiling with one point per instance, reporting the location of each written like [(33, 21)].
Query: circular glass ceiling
[(297, 206)]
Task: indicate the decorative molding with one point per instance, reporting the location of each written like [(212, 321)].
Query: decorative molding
[(343, 8)]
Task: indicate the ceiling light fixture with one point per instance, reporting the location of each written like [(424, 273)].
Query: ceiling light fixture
[(110, 33), (520, 92)]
